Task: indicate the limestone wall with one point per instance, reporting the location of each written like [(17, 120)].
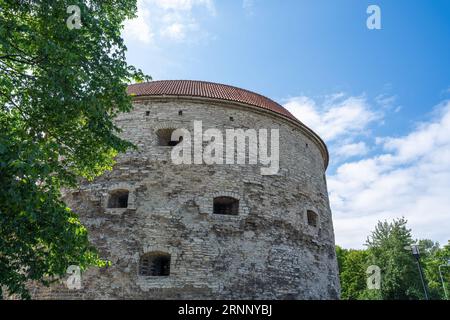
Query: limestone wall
[(268, 251)]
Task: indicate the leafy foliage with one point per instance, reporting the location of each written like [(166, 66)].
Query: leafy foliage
[(386, 246), (353, 272), (59, 92), (400, 277), (433, 256)]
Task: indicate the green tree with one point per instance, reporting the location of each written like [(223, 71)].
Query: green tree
[(399, 274), (341, 253), (432, 257), (353, 273), (400, 277), (60, 89)]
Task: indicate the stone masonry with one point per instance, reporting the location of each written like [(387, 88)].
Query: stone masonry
[(269, 250)]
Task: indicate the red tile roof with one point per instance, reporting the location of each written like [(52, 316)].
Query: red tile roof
[(191, 88), (206, 90)]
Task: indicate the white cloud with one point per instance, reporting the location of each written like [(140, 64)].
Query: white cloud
[(337, 117), (166, 20), (411, 178), (352, 149), (422, 142), (401, 176), (139, 28), (386, 101), (176, 31)]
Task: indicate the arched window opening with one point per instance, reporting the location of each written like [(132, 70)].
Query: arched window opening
[(226, 205), (312, 218), (165, 138), (155, 264), (118, 199)]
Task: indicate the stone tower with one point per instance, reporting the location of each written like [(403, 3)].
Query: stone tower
[(207, 231)]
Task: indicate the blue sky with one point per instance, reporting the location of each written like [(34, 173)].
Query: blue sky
[(379, 98)]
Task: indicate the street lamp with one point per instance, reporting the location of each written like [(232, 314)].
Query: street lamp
[(416, 254), (442, 278)]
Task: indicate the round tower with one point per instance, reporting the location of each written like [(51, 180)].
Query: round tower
[(209, 230)]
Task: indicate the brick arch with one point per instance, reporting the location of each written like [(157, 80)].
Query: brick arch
[(171, 125), (131, 188), (168, 125), (206, 202)]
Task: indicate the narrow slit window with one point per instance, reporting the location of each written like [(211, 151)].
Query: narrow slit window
[(226, 206), (313, 218), (155, 264)]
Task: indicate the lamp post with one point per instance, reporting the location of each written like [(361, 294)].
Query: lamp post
[(442, 278), (416, 254)]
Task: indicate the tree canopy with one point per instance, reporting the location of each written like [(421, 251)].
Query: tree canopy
[(400, 279), (60, 89)]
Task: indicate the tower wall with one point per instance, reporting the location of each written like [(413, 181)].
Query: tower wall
[(267, 251)]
